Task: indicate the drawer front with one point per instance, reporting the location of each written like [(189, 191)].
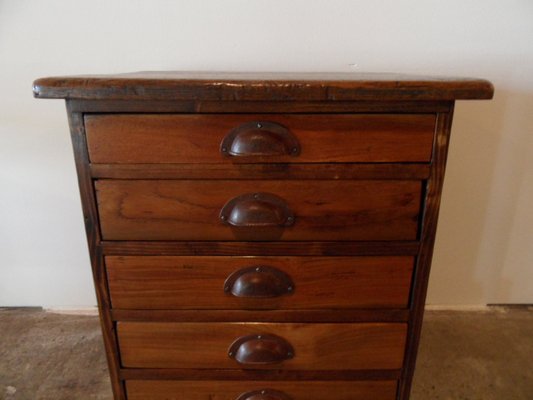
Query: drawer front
[(290, 346), (175, 282), (258, 210), (126, 138), (245, 390)]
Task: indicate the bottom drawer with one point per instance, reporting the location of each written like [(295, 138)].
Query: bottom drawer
[(253, 390)]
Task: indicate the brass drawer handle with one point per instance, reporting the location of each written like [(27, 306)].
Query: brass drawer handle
[(261, 349), (260, 139), (257, 210), (264, 394), (258, 282)]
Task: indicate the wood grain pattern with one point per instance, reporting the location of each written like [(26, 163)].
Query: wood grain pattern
[(257, 374), (230, 390), (324, 315), (368, 208), (433, 192), (196, 138), (90, 216), (316, 346), (262, 106), (198, 282), (262, 171), (189, 210), (221, 86), (287, 248)]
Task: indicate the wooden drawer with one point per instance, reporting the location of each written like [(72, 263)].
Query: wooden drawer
[(283, 210), (292, 346), (159, 138), (244, 390), (174, 282)]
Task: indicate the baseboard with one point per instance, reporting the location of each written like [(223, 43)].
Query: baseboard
[(457, 307), (72, 310)]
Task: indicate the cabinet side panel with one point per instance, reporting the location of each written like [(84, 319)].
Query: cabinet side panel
[(423, 264), (90, 215)]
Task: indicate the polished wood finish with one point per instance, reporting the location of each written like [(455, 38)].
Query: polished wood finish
[(227, 87), (79, 144), (258, 106), (189, 210), (363, 185), (288, 248), (257, 374), (317, 282), (323, 315), (262, 171), (198, 138), (231, 390), (316, 346), (429, 227)]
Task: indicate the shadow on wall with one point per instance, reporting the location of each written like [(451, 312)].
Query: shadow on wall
[(484, 176), (508, 235)]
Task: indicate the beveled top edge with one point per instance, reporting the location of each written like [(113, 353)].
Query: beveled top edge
[(246, 86)]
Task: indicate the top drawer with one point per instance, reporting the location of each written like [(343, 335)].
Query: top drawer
[(291, 138)]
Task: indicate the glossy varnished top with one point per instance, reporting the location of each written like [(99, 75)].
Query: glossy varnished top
[(224, 86)]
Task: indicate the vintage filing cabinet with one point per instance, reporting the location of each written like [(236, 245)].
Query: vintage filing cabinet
[(260, 237)]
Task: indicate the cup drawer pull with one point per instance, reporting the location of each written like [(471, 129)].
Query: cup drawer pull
[(264, 394), (257, 210), (258, 282), (261, 349), (260, 139)]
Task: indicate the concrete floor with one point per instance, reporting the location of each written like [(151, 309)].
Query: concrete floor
[(483, 355)]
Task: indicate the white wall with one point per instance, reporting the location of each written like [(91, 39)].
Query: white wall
[(484, 251)]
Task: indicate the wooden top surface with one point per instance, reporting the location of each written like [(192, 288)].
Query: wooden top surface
[(222, 86)]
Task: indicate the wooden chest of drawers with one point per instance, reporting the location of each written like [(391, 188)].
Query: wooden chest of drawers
[(260, 237)]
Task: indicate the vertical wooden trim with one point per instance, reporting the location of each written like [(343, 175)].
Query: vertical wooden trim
[(423, 264), (90, 215)]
